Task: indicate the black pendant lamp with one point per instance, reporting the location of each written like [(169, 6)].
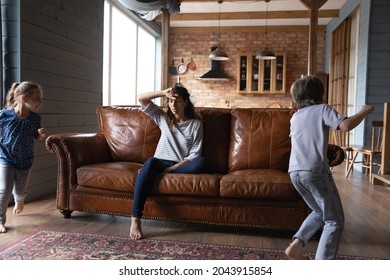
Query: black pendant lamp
[(265, 53), (218, 53)]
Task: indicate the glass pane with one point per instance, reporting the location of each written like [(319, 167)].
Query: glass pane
[(129, 58), (267, 75), (255, 74), (146, 61), (279, 73), (243, 76), (123, 58)]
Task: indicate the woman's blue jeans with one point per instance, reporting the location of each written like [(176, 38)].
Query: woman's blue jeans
[(149, 172), (320, 194)]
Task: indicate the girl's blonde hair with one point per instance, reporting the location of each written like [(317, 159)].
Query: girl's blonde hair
[(25, 88)]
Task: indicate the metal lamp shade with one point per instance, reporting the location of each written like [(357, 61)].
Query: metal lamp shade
[(265, 54), (218, 54)]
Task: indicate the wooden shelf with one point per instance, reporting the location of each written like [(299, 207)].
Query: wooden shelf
[(261, 76)]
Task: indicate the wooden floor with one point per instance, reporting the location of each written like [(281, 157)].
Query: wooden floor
[(366, 233)]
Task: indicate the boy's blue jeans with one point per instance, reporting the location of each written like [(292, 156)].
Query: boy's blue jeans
[(149, 172), (320, 193)]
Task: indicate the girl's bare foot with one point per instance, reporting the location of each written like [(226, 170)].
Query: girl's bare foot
[(18, 207), (294, 250), (135, 229), (2, 229)]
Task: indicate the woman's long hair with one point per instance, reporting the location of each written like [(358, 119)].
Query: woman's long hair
[(189, 110)]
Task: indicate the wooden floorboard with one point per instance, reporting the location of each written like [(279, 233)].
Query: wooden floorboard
[(366, 233)]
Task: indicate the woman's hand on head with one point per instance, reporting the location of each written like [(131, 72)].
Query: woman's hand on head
[(170, 93)]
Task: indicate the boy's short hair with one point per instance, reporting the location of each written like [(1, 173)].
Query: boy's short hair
[(306, 91)]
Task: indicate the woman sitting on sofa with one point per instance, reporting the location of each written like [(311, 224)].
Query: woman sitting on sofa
[(178, 150)]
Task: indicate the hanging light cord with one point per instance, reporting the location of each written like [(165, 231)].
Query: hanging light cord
[(218, 53), (266, 19), (219, 27)]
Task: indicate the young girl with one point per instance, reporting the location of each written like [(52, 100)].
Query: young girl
[(178, 150), (20, 124), (309, 169)]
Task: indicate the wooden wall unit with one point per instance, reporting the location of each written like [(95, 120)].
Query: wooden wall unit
[(261, 76)]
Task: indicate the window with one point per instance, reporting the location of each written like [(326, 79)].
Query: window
[(343, 71), (131, 56), (353, 53)]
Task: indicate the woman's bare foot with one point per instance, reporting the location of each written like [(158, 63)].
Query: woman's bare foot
[(2, 229), (294, 250), (18, 207), (135, 229)]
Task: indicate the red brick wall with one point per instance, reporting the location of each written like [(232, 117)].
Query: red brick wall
[(198, 45)]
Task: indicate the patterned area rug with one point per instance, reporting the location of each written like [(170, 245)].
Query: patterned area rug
[(51, 245)]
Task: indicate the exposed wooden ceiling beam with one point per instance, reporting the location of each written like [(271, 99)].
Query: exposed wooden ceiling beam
[(241, 29), (253, 15), (196, 1), (313, 6), (250, 15)]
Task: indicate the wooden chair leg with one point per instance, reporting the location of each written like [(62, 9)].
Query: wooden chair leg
[(365, 164), (346, 161), (370, 157), (351, 165), (349, 156)]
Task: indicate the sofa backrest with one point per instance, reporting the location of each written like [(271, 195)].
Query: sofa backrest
[(133, 136), (234, 139), (260, 139), (216, 135), (130, 133)]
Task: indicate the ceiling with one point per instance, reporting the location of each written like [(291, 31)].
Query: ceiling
[(207, 13)]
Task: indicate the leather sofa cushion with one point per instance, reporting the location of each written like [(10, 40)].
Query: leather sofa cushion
[(131, 134), (258, 183), (188, 184), (260, 139), (115, 176), (120, 177)]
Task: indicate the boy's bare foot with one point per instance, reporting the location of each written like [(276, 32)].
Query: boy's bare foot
[(294, 250), (2, 229), (18, 207), (135, 229)]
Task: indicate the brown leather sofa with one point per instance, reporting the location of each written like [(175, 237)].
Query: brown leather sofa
[(247, 149)]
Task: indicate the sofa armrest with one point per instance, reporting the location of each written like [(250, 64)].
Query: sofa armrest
[(74, 150)]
